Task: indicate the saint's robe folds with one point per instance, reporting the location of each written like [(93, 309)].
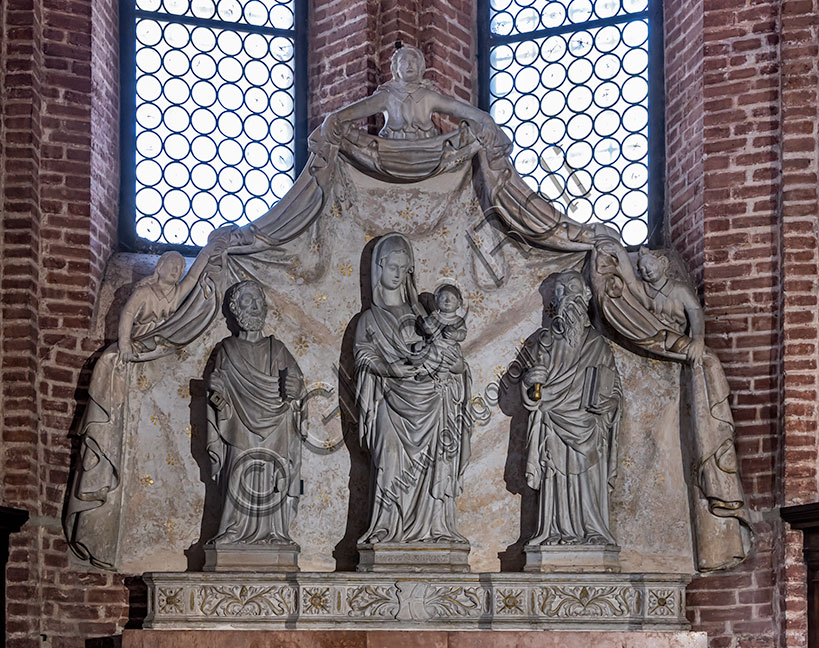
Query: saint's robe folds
[(571, 452), (254, 441), (417, 433)]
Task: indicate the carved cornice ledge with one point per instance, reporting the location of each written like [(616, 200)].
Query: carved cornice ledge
[(348, 600)]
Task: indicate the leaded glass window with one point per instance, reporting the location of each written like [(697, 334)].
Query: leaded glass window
[(213, 115), (577, 86)]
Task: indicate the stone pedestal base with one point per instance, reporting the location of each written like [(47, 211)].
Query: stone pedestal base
[(252, 557), (572, 558), (404, 639), (417, 557)]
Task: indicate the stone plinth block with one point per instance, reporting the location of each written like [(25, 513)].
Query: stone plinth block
[(412, 600), (419, 557), (415, 639), (252, 557), (572, 558)]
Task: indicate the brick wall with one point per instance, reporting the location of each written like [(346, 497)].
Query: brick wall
[(684, 109), (58, 222), (799, 205), (742, 82)]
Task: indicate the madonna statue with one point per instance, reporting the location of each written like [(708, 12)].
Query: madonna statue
[(412, 398)]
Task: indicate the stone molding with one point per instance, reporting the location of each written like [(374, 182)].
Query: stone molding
[(326, 600)]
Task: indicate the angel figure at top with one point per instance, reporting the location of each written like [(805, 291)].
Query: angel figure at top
[(407, 103)]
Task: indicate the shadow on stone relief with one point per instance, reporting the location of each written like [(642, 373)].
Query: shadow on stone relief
[(345, 552), (511, 404), (195, 554)]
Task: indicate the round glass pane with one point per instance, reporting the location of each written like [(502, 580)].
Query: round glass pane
[(554, 15), (580, 210), (230, 208), (176, 174), (230, 96), (282, 158), (148, 173), (281, 103), (203, 177), (256, 155), (606, 123), (203, 149), (635, 204), (606, 207), (177, 203), (281, 17), (635, 175), (580, 71), (527, 79), (148, 116), (256, 100), (148, 228), (526, 107), (635, 232), (553, 130), (148, 32), (553, 75), (148, 144), (501, 24), (579, 126), (553, 49), (606, 179), (606, 94), (501, 57), (553, 103), (230, 152), (204, 205), (635, 118), (526, 134), (203, 38), (200, 231), (204, 93), (175, 231), (580, 11), (606, 151), (256, 127), (580, 44), (578, 155), (148, 60), (635, 147), (177, 146), (580, 98), (148, 201)]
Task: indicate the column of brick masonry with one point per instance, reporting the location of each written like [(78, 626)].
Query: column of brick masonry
[(343, 54), (741, 289), (799, 54), (69, 229), (683, 118), (21, 69), (398, 21), (448, 35)]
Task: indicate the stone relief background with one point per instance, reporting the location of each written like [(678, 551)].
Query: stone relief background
[(314, 296)]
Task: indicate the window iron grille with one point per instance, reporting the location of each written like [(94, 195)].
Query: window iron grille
[(578, 87), (213, 115)]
